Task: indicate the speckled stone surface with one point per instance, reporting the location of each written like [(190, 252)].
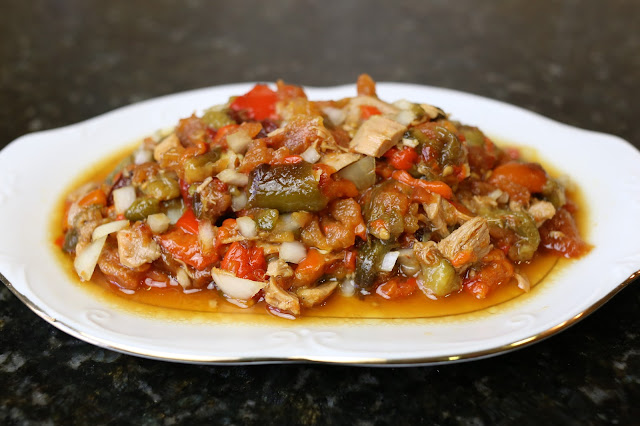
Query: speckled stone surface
[(576, 61)]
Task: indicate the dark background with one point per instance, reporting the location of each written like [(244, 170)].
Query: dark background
[(576, 61)]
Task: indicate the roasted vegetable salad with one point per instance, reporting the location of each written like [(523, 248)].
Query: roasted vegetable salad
[(274, 199)]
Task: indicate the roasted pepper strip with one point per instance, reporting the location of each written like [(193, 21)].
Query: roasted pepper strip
[(285, 187), (435, 186)]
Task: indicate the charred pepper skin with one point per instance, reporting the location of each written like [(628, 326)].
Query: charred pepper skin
[(286, 188)]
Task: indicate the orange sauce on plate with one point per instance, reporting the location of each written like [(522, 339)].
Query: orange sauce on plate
[(153, 300)]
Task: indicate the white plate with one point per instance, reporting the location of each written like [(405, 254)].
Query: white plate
[(35, 169)]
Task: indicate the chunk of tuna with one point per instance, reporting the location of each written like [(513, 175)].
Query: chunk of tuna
[(279, 268), (339, 160), (467, 244), (541, 211), (165, 145), (136, 246), (315, 296), (281, 299), (376, 136)]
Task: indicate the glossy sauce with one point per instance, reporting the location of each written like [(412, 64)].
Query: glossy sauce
[(148, 300)]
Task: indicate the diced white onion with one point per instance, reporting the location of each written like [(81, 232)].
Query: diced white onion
[(523, 282), (247, 227), (239, 202), (410, 142), (123, 198), (142, 155), (335, 115), (158, 222), (206, 235), (239, 141), (232, 177), (409, 265), (310, 155), (174, 214), (286, 222), (108, 228), (183, 278), (389, 261), (402, 104), (348, 287), (362, 173), (86, 261), (405, 117), (293, 251), (234, 287)]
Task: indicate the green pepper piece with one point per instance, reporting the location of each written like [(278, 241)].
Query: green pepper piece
[(199, 168), (520, 222), (554, 192), (70, 240), (368, 262), (216, 118), (121, 165), (285, 187), (528, 236), (141, 208), (472, 135), (162, 188), (384, 203), (439, 277), (266, 219)]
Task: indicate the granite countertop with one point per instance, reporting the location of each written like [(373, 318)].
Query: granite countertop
[(576, 61)]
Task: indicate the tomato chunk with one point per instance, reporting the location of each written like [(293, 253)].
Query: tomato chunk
[(560, 235), (188, 221), (529, 175), (402, 159), (397, 287), (259, 103), (245, 262), (494, 270), (310, 269), (367, 111), (184, 246)]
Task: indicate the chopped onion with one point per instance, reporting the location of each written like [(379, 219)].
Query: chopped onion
[(158, 222), (234, 287), (175, 213), (405, 117), (362, 173), (409, 265), (286, 222), (389, 261), (310, 155), (206, 235), (232, 177), (142, 155), (293, 251), (239, 141), (247, 227), (238, 202), (335, 115), (108, 228), (183, 278), (348, 287), (402, 104), (523, 282), (410, 142), (123, 198), (86, 261)]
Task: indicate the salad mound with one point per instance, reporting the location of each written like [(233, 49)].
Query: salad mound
[(275, 199)]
